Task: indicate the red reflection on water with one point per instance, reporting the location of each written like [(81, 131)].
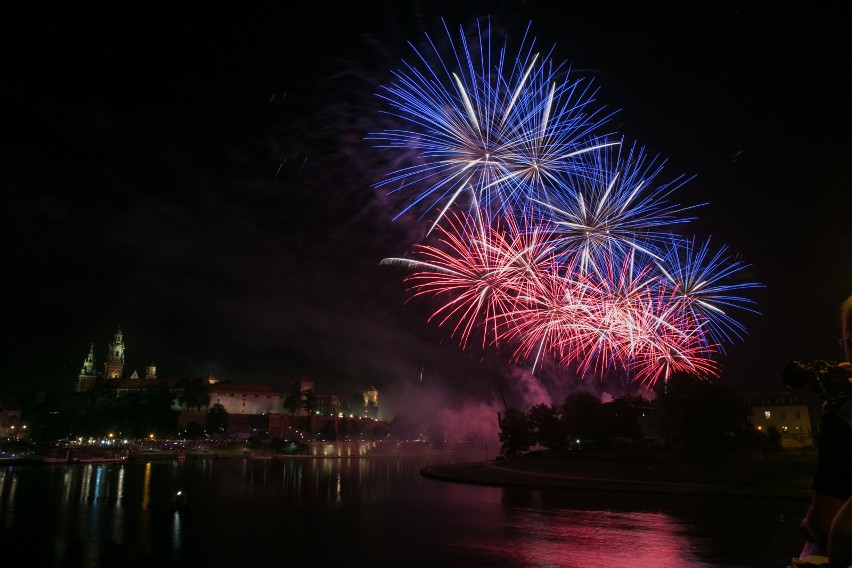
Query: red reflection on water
[(567, 538)]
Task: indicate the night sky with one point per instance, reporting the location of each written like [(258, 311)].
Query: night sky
[(200, 177)]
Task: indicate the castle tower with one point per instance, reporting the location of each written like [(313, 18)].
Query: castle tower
[(371, 399), (114, 366), (87, 377), (150, 371), (371, 396)]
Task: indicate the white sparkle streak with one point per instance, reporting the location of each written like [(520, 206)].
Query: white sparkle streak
[(469, 107), (632, 195), (518, 90), (449, 203), (606, 195), (546, 116), (589, 149)]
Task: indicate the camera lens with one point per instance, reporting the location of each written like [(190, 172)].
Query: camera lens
[(797, 375)]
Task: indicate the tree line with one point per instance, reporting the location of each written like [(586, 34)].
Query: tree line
[(691, 416)]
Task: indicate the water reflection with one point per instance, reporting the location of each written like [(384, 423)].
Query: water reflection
[(331, 508)]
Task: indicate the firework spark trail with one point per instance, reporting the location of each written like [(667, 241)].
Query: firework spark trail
[(670, 340), (504, 129), (552, 314), (483, 266), (552, 238), (706, 287), (615, 206)]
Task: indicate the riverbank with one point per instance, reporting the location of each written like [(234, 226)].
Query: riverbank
[(786, 474)]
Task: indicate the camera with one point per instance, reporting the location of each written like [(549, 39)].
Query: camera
[(826, 378)]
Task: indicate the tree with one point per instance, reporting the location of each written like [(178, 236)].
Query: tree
[(217, 418), (702, 416), (155, 413), (619, 419), (773, 440), (309, 401), (546, 428), (358, 405), (514, 435), (194, 395), (578, 413), (293, 402)]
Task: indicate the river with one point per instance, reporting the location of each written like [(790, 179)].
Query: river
[(367, 511)]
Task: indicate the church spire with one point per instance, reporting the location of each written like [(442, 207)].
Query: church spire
[(87, 377), (114, 366), (89, 362)]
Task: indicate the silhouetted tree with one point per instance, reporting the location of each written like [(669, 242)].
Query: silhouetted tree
[(546, 428), (194, 394), (148, 411), (619, 419), (515, 436), (217, 418), (309, 401), (357, 405), (702, 416), (773, 440), (293, 402), (579, 415)]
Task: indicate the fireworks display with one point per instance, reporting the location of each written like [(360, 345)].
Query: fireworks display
[(548, 234)]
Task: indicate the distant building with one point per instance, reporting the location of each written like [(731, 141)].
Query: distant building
[(247, 399), (114, 365), (113, 373), (788, 413), (10, 419), (247, 404), (88, 378), (648, 415), (325, 403)]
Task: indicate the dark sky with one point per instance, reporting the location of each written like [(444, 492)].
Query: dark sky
[(200, 177)]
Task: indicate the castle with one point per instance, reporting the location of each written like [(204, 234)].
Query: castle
[(237, 399), (113, 372)]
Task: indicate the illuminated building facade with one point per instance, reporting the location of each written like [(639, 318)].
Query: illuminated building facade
[(787, 413), (247, 399)]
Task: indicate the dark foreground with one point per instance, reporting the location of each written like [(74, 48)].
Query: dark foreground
[(787, 474)]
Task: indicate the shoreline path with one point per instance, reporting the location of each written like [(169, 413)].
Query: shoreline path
[(493, 474)]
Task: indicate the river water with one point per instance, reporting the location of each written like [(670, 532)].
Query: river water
[(368, 511)]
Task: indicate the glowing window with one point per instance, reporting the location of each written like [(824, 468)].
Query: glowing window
[(767, 415)]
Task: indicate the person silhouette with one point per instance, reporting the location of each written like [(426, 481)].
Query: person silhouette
[(828, 522)]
